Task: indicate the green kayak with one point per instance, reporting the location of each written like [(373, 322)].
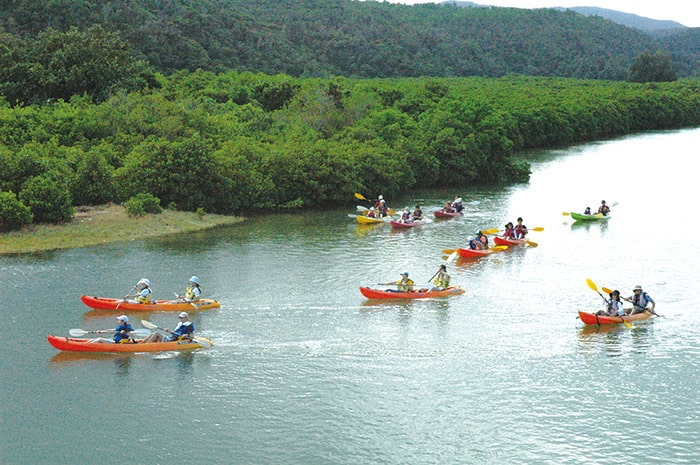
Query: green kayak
[(596, 217)]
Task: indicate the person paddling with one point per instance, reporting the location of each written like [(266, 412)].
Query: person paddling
[(603, 209), (640, 300), (121, 331), (441, 279), (193, 291)]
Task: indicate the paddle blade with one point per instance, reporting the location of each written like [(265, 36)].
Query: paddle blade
[(452, 256), (565, 213), (205, 342), (628, 324), (78, 332), (350, 215), (591, 284), (500, 247), (360, 196), (491, 231), (538, 229), (531, 243), (449, 251), (148, 324), (362, 209), (606, 290)]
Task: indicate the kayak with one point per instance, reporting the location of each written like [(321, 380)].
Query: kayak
[(106, 303), (368, 220), (412, 224), (444, 214), (371, 293), (498, 240), (472, 253), (593, 319), (84, 345), (582, 217)]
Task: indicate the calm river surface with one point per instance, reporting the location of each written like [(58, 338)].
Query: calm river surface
[(307, 371)]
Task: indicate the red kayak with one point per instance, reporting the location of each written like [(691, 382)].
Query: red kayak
[(107, 303), (371, 293), (444, 214), (593, 319), (85, 345), (472, 253), (412, 224), (498, 240)]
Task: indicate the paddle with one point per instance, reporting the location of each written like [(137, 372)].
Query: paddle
[(140, 333), (565, 213), (184, 300), (593, 286), (201, 340), (652, 311), (360, 196), (452, 256), (125, 297)]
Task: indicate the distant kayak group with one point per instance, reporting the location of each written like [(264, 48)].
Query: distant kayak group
[(151, 338)]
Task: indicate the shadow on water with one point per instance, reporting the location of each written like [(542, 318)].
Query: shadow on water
[(122, 362)]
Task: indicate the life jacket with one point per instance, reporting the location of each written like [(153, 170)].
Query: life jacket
[(641, 301), (441, 280), (192, 293), (509, 234), (144, 296), (119, 336), (404, 286)]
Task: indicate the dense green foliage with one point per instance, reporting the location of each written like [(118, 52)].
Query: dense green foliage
[(323, 38), (57, 65), (649, 67), (143, 203), (13, 213), (222, 143)]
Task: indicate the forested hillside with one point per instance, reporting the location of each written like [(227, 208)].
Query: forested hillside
[(323, 38)]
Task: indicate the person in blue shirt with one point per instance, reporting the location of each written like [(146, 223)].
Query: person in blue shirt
[(121, 331), (183, 330), (641, 301)]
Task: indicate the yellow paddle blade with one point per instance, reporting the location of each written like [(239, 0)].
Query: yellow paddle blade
[(360, 196), (591, 284), (500, 247), (531, 243), (606, 290), (565, 213), (491, 231), (449, 251), (538, 229), (627, 323)]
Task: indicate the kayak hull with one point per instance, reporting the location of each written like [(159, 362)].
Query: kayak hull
[(444, 214), (106, 303), (593, 319), (70, 344), (371, 293), (509, 242), (367, 220), (473, 253), (582, 217)]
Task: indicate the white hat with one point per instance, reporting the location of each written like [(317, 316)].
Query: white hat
[(194, 279), (381, 197), (123, 318), (183, 315), (145, 281)]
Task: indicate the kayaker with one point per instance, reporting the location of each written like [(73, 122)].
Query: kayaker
[(447, 208), (640, 300), (509, 232), (121, 331), (603, 209), (520, 229), (613, 307), (380, 206), (458, 204), (193, 291), (480, 242), (587, 211), (183, 330), (417, 213), (406, 215), (143, 292), (371, 213), (405, 284), (441, 279)]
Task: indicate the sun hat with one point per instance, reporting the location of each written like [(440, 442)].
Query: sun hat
[(637, 287), (194, 279), (183, 315), (123, 318)]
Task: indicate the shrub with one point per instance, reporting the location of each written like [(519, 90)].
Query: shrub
[(143, 203), (13, 213), (48, 200)]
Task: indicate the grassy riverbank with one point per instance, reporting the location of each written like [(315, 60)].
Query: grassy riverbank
[(105, 224)]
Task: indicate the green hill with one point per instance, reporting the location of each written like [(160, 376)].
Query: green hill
[(323, 38)]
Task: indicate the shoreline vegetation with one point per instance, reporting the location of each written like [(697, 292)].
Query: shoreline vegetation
[(105, 224)]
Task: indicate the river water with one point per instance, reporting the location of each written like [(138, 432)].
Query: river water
[(307, 371)]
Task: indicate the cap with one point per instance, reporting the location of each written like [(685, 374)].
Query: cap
[(381, 197), (405, 273), (194, 279), (183, 315), (637, 287), (123, 318)]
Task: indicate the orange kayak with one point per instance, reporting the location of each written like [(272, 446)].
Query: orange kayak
[(593, 319), (84, 345), (106, 303), (371, 293), (498, 240)]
